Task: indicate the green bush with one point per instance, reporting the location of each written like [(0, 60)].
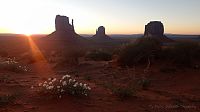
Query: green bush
[(139, 52), (98, 55)]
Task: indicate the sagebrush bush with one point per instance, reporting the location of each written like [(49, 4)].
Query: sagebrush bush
[(70, 57), (98, 55), (6, 99), (123, 93), (139, 52), (182, 53)]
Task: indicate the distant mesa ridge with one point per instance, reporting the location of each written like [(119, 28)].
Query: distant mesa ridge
[(155, 29), (101, 34)]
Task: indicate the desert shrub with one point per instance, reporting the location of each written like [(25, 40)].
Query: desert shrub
[(64, 85), (144, 83), (123, 93), (87, 77), (139, 52), (31, 57), (12, 65), (70, 57), (98, 55), (168, 70), (6, 99), (182, 53)]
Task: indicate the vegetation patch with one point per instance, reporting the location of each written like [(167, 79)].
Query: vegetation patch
[(98, 55), (64, 85), (139, 52)]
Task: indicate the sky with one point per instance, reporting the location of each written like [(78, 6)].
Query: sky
[(118, 16)]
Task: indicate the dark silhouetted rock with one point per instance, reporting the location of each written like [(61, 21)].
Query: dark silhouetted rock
[(101, 34), (64, 30), (62, 24), (155, 29)]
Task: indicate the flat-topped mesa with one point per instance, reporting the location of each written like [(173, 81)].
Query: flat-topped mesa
[(154, 29), (62, 24), (101, 31), (63, 29), (101, 34)]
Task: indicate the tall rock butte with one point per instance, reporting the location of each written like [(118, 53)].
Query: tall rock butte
[(155, 29), (101, 34), (63, 29)]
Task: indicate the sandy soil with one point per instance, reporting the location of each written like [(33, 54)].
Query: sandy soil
[(168, 92)]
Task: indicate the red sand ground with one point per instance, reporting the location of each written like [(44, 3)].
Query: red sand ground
[(167, 90)]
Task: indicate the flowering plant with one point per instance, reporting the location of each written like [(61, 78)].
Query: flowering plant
[(12, 65), (64, 85)]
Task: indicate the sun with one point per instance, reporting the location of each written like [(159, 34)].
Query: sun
[(24, 31), (27, 34)]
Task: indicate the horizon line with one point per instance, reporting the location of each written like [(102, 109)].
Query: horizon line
[(94, 34)]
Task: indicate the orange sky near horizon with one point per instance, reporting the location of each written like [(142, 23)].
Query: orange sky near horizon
[(119, 17)]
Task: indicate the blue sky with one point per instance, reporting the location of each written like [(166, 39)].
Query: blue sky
[(118, 16)]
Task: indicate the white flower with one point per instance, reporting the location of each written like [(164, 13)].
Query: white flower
[(81, 84), (86, 94), (58, 87), (50, 83), (74, 80), (40, 84), (45, 82), (66, 76), (70, 80), (74, 85), (64, 83), (49, 79), (32, 87), (89, 88), (54, 80), (44, 85), (62, 90), (60, 96), (50, 87)]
